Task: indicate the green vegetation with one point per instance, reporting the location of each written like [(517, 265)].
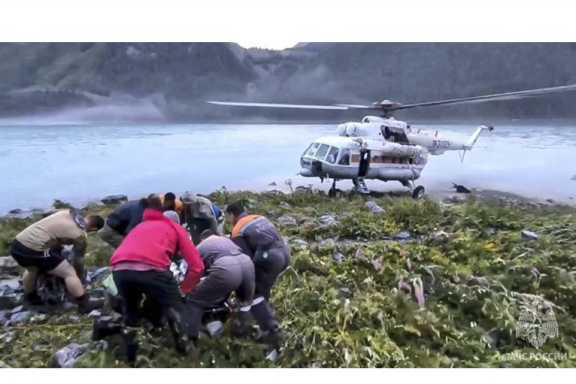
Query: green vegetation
[(348, 299)]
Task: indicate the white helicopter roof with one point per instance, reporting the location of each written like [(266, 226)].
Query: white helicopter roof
[(349, 142)]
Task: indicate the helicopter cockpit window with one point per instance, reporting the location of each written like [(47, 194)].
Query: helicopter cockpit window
[(311, 151), (322, 151), (332, 155), (344, 157)]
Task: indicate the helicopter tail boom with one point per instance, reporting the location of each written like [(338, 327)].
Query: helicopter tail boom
[(474, 138)]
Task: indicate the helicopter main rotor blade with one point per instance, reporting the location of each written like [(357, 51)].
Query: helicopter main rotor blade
[(493, 97), (273, 105)]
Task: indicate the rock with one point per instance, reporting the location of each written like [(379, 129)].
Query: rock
[(345, 293), (374, 208), (114, 199), (377, 264), (10, 301), (327, 220), (4, 317), (68, 356), (338, 257), (529, 235), (440, 236), (454, 199), (285, 205), (38, 318), (490, 231), (215, 328), (403, 236), (287, 221), (9, 265), (10, 286), (299, 243), (327, 244), (20, 317)]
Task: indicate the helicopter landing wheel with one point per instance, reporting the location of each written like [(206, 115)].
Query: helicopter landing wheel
[(418, 192)]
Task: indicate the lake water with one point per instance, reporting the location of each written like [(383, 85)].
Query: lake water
[(80, 163)]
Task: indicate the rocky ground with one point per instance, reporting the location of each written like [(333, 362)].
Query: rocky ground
[(375, 281)]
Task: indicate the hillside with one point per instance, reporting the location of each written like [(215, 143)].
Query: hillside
[(169, 81)]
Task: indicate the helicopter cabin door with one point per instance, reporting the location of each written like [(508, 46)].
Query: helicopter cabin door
[(364, 163)]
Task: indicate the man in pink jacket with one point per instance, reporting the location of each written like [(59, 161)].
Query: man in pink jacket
[(141, 268)]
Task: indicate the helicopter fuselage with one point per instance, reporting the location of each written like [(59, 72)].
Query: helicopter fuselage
[(339, 157)]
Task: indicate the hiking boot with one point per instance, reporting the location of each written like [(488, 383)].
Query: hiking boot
[(130, 345), (87, 304), (272, 338), (241, 326), (104, 327), (32, 300), (182, 342)]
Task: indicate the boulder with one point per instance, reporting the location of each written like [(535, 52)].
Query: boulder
[(327, 220), (287, 221), (403, 236), (10, 301), (374, 208), (20, 317), (114, 199), (327, 244), (338, 257), (9, 265)]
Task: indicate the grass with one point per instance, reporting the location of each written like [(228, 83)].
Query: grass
[(477, 273)]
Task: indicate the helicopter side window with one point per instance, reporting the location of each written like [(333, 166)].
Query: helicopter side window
[(322, 151), (311, 151), (332, 155)]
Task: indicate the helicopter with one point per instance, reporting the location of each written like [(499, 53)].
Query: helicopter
[(381, 147)]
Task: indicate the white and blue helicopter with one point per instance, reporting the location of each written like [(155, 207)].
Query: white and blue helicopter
[(381, 147)]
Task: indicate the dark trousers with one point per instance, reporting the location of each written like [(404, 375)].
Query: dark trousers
[(158, 289), (226, 275), (269, 266)]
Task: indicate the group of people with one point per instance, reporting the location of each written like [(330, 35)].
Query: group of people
[(148, 236)]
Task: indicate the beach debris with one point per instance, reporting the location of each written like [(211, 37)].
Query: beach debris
[(374, 207), (114, 199), (529, 235)]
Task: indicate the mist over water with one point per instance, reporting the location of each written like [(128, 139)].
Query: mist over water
[(81, 163)]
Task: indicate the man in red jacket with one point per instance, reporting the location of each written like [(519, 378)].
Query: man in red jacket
[(141, 268)]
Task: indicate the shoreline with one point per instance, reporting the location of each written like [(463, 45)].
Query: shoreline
[(440, 196)]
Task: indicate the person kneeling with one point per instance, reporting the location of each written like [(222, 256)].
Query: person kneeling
[(39, 249), (141, 269), (227, 270)]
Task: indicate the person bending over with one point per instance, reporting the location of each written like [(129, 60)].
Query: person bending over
[(259, 238), (140, 268), (39, 249)]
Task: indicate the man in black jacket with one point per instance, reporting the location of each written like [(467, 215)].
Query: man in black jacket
[(121, 221)]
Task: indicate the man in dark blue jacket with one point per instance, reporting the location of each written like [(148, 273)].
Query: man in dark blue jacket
[(121, 221)]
